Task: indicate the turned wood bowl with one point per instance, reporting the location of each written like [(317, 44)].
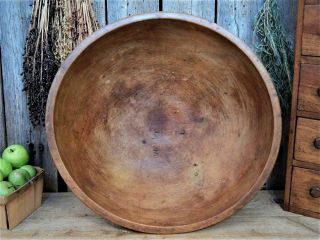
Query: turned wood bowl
[(163, 123)]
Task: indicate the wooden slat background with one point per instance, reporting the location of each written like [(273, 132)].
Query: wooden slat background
[(237, 16)]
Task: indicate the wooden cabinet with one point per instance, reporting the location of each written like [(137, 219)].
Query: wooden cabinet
[(302, 193)]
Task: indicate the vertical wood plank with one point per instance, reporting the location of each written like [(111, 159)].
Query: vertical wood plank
[(177, 6), (99, 7), (3, 137), (14, 22), (237, 16), (200, 8), (138, 7), (288, 15), (118, 9)]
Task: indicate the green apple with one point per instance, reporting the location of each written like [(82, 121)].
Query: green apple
[(1, 176), (26, 173), (17, 155), (5, 168), (30, 169), (6, 188), (18, 177)]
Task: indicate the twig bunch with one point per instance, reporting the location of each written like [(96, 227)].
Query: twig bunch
[(56, 28), (275, 51)]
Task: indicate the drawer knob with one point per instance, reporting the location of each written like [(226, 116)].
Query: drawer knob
[(314, 192), (316, 143)]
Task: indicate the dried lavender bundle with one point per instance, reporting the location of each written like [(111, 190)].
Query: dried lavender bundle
[(39, 66)]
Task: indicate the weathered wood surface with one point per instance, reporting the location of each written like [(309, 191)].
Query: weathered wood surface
[(63, 216), (118, 9), (14, 22), (3, 138), (236, 16), (204, 9), (99, 7)]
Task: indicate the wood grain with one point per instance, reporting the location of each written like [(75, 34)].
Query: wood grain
[(303, 164), (307, 131), (151, 91), (14, 22), (238, 18), (310, 60), (309, 88), (22, 202), (63, 216), (311, 30), (118, 9), (99, 7), (302, 181), (312, 2), (294, 103), (203, 8), (3, 217), (288, 17), (3, 137)]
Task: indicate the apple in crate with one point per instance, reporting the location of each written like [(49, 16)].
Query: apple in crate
[(5, 168), (17, 155), (6, 188), (18, 177), (30, 169)]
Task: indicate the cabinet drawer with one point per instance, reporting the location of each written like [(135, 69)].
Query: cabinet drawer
[(307, 144), (311, 30), (305, 190), (309, 88)]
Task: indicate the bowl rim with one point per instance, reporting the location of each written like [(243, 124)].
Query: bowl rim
[(50, 131)]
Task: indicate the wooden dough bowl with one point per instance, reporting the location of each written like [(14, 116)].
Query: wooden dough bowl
[(163, 123)]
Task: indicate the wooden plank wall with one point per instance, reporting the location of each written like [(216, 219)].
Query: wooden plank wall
[(237, 16)]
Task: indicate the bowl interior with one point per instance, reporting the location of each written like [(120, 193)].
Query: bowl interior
[(163, 123)]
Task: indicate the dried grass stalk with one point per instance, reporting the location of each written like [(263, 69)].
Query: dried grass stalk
[(275, 51), (62, 27), (74, 21)]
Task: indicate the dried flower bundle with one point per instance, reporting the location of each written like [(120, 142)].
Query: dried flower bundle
[(74, 21), (275, 51), (56, 28), (39, 66)]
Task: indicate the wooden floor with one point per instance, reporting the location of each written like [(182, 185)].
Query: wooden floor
[(63, 216)]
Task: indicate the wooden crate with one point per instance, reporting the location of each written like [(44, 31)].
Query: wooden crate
[(22, 202)]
